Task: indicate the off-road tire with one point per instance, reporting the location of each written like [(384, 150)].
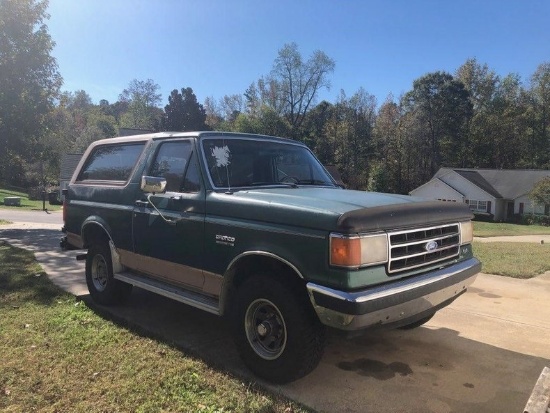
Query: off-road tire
[(103, 288), (277, 333)]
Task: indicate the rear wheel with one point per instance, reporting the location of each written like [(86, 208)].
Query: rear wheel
[(103, 287), (278, 335)]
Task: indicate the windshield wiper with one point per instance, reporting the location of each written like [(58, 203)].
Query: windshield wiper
[(314, 182), (289, 184)]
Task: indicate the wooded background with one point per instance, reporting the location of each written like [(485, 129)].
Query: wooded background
[(471, 118)]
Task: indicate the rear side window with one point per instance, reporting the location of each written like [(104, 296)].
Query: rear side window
[(111, 162)]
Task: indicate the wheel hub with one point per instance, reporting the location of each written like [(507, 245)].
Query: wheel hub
[(99, 273), (265, 329)]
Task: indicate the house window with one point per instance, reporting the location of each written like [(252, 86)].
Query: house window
[(478, 206)]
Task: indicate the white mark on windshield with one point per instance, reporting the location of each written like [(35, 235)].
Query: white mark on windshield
[(222, 154)]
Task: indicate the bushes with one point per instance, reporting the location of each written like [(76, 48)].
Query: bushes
[(483, 217), (531, 219)]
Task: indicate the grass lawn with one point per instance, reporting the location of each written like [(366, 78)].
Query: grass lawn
[(3, 222), (513, 259), (59, 356), (494, 229), (26, 204)]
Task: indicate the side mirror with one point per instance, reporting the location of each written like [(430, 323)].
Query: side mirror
[(153, 184)]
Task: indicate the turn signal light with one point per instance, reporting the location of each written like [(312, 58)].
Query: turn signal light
[(345, 252)]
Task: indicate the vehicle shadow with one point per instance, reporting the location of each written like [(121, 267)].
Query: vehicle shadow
[(428, 369), (424, 370), (195, 332)]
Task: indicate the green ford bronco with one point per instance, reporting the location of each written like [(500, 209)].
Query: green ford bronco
[(254, 229)]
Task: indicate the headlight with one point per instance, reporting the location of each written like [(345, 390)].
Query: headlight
[(466, 232), (357, 251)]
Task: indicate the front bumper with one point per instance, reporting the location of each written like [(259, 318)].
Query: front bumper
[(396, 303)]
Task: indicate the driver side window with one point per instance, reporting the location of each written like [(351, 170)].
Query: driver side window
[(174, 162)]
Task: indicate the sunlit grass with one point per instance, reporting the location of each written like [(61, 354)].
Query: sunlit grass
[(26, 204), (513, 259), (495, 229), (57, 355)]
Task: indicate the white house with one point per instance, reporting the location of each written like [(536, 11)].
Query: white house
[(495, 192)]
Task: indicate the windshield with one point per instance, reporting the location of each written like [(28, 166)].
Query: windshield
[(247, 162)]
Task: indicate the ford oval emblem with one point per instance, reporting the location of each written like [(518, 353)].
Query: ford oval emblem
[(431, 246)]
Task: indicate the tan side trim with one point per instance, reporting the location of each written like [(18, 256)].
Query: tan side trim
[(212, 284), (178, 274), (75, 239)]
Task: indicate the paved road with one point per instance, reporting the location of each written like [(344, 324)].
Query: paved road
[(484, 353), (37, 217)]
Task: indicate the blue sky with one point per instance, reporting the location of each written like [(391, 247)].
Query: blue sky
[(219, 47)]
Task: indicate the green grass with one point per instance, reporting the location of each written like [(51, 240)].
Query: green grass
[(513, 259), (26, 204), (494, 229), (4, 222), (57, 355)]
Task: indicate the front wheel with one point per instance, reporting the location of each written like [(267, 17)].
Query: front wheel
[(103, 287), (278, 335)]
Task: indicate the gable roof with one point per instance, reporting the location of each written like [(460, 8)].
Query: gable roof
[(477, 179), (437, 180), (500, 183), (69, 162)]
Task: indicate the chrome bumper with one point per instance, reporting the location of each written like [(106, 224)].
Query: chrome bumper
[(397, 303)]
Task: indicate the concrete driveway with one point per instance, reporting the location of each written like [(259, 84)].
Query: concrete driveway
[(483, 353)]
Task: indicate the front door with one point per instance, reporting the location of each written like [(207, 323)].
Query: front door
[(169, 240), (510, 211)]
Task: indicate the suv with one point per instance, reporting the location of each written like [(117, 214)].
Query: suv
[(254, 228)]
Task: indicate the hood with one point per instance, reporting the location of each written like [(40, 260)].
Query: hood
[(334, 209)]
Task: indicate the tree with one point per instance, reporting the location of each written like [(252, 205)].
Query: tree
[(292, 87), (387, 173), (443, 109), (231, 106), (142, 98), (541, 192), (214, 118), (540, 101), (183, 112), (313, 132), (348, 134), (482, 85), (479, 81), (299, 82), (509, 124), (77, 122), (29, 84)]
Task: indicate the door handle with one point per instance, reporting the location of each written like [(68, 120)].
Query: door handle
[(142, 204)]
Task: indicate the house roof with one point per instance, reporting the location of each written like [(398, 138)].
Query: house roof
[(440, 181), (500, 183), (69, 162)]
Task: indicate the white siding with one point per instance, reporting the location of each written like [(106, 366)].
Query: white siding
[(470, 191), (528, 206), (435, 189)]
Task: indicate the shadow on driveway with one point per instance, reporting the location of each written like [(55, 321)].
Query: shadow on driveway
[(424, 370)]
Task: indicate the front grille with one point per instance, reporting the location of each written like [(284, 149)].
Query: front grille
[(416, 248)]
